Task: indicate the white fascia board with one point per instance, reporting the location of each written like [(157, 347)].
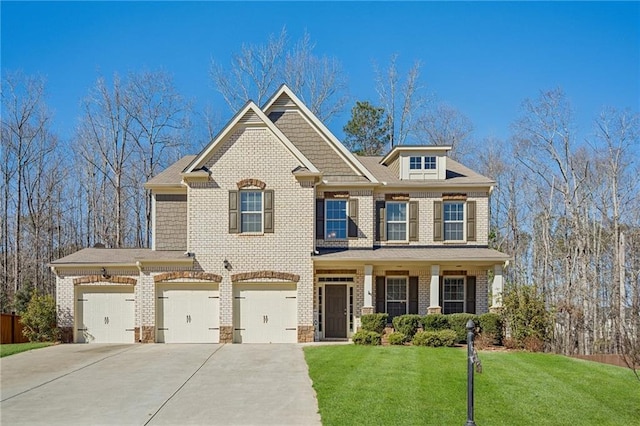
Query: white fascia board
[(249, 106), (336, 144), (409, 148)]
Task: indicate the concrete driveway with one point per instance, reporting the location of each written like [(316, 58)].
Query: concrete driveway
[(155, 384)]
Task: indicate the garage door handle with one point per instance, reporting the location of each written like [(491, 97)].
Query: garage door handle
[(106, 320), (265, 319)]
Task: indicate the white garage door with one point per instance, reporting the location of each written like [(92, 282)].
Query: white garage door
[(265, 313), (188, 313), (105, 314)]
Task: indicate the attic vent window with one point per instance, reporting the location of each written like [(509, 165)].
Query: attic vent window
[(415, 163), (430, 163), (422, 163)]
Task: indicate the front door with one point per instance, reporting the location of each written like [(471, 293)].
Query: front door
[(336, 311)]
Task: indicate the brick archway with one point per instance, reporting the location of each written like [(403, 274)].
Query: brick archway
[(88, 279), (204, 276), (283, 276)]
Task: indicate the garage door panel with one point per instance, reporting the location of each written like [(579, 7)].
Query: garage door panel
[(265, 313), (105, 314), (188, 313)]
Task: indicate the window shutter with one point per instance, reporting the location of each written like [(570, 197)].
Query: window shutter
[(381, 228), (413, 295), (413, 221), (353, 218), (471, 295), (437, 221), (234, 212), (320, 219), (471, 220), (380, 294), (441, 294), (268, 211)]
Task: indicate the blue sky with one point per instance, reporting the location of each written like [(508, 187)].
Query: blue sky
[(482, 58)]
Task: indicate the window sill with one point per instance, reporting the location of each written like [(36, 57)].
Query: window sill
[(250, 234), (456, 242)]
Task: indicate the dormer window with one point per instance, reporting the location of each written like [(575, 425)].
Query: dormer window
[(415, 163), (430, 163), (422, 163)]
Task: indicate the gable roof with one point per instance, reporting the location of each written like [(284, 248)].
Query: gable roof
[(284, 99), (249, 115), (171, 176)]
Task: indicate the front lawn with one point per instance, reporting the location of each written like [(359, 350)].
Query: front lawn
[(419, 385), (15, 348)]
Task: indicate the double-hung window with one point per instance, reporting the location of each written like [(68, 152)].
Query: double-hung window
[(396, 296), (335, 220), (453, 297), (396, 221), (454, 221), (251, 212)]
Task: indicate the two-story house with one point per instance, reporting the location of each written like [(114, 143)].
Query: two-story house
[(275, 232)]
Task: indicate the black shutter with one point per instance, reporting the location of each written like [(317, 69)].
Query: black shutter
[(380, 295), (413, 220), (441, 294), (381, 231), (471, 295), (437, 221), (268, 211), (413, 295), (353, 218), (234, 212), (320, 219)]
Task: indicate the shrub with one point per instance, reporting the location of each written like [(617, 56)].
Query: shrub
[(397, 338), (364, 337), (407, 324), (435, 322), (491, 328), (526, 316), (39, 319), (435, 338), (374, 322), (458, 323)]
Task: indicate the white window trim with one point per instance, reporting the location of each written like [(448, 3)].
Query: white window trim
[(464, 222), (464, 291), (435, 163), (406, 221), (406, 292), (242, 213), (346, 220)]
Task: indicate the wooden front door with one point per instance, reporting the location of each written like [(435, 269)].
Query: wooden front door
[(336, 311)]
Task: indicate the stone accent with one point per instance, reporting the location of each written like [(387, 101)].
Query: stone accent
[(251, 182), (66, 334), (336, 271), (148, 334), (284, 276), (188, 274), (434, 310), (108, 279), (305, 333), (170, 222), (366, 310), (226, 334)]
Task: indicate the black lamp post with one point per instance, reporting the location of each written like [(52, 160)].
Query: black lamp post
[(470, 364)]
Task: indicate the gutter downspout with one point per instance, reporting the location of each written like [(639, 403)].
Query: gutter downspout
[(139, 266)]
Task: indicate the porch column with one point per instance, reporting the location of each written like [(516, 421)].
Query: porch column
[(367, 308), (496, 288), (434, 294)]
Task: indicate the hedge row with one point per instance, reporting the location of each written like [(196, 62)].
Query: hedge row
[(437, 329)]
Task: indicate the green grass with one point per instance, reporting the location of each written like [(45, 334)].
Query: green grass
[(418, 385), (16, 348)]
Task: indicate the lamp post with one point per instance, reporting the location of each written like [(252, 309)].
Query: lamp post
[(470, 364)]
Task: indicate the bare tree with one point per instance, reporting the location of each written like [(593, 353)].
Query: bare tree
[(402, 99), (258, 69), (442, 124)]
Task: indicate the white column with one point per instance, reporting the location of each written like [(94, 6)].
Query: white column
[(434, 293), (497, 287), (368, 286)]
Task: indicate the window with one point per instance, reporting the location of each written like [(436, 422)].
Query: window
[(430, 163), (453, 297), (396, 221), (415, 163), (454, 221), (396, 297), (336, 220), (250, 211)]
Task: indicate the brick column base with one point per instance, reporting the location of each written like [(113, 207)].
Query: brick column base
[(66, 334), (305, 333), (148, 334), (434, 310), (226, 334), (366, 310)]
